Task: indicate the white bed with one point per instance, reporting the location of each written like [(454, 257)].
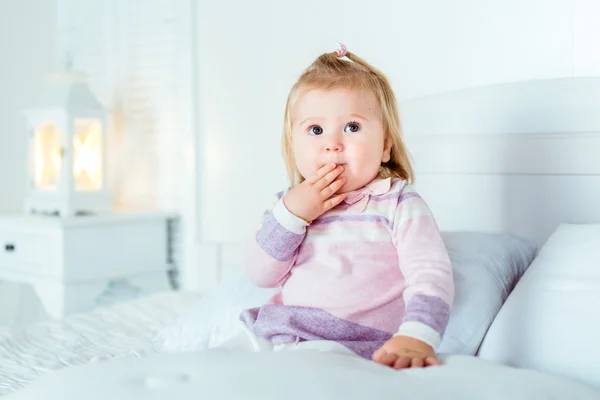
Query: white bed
[(486, 267), (518, 158), (125, 330)]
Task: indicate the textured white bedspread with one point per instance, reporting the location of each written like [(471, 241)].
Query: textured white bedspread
[(296, 375), (125, 333), (121, 331)]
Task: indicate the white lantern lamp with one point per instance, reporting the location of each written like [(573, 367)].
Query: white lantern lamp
[(67, 150)]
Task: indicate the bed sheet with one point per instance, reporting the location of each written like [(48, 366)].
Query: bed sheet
[(296, 375), (113, 356), (120, 331)]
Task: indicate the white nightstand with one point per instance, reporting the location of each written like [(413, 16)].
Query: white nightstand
[(73, 262)]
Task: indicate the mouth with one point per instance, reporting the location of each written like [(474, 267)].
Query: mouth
[(337, 164)]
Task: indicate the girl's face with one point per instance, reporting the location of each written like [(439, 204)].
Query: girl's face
[(342, 126)]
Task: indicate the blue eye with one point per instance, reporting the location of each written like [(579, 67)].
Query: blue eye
[(352, 127), (315, 130)]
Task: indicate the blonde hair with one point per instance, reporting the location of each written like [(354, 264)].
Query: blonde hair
[(329, 71)]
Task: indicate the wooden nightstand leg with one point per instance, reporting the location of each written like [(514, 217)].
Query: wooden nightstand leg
[(60, 299)]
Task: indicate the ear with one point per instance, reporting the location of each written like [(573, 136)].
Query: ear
[(387, 149)]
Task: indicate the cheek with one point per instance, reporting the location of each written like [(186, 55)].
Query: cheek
[(365, 154), (301, 148), (304, 155)]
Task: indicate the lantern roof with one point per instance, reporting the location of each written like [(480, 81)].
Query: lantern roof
[(68, 91)]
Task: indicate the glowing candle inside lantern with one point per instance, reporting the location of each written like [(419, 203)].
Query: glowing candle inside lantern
[(87, 155), (47, 157)]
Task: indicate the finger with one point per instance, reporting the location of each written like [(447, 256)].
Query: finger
[(333, 201), (389, 359), (328, 178), (321, 172), (432, 361), (378, 354), (417, 363), (333, 187), (402, 362), (385, 358)]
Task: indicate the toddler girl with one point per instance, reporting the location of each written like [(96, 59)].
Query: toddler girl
[(355, 250)]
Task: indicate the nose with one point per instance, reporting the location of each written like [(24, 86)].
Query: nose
[(334, 144)]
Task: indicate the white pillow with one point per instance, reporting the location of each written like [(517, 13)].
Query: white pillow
[(486, 268), (551, 321)]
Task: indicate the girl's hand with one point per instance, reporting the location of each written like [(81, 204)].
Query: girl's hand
[(315, 195), (405, 352)]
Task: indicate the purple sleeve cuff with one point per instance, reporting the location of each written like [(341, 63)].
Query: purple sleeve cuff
[(281, 233), (425, 318)]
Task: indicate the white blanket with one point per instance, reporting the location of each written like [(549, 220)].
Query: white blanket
[(124, 330), (219, 374)]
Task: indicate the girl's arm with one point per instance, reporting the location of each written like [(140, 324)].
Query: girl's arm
[(425, 264), (271, 253)]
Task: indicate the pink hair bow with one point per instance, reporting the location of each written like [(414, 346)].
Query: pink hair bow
[(342, 50), (358, 199)]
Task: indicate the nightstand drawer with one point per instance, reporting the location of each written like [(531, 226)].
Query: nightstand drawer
[(27, 250)]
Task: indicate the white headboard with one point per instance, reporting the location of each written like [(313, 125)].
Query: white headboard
[(515, 158), (518, 158)]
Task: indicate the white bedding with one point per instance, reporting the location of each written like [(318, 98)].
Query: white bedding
[(486, 267), (121, 337), (291, 375), (124, 330)]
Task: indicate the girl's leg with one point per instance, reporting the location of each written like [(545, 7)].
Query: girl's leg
[(246, 341), (318, 345)]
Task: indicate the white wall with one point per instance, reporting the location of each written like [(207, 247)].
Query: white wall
[(27, 33), (130, 52), (248, 60)]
